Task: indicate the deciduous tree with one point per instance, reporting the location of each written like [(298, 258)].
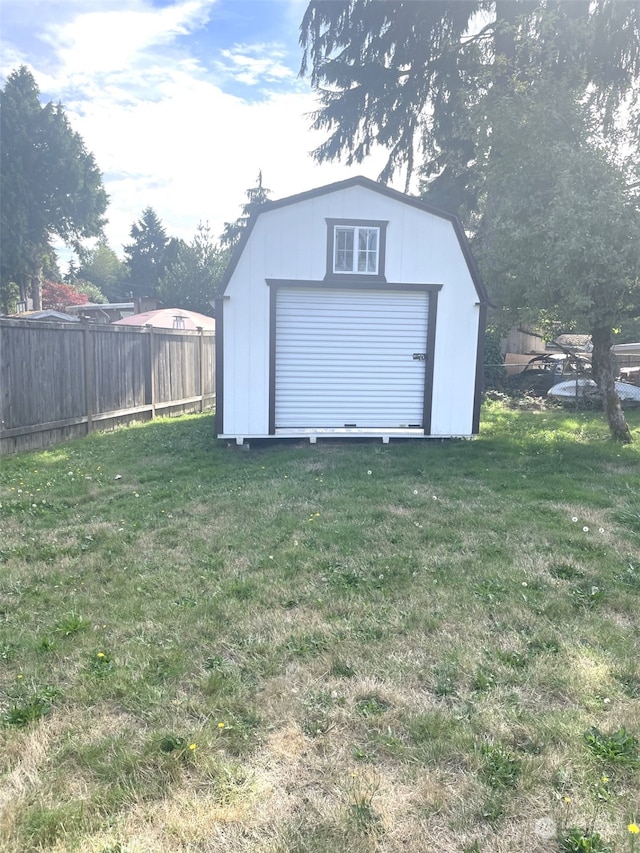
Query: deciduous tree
[(58, 295), (560, 241), (103, 268)]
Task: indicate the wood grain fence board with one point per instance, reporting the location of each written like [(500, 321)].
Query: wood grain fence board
[(56, 379)]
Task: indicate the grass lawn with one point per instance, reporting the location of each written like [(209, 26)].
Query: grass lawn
[(425, 646)]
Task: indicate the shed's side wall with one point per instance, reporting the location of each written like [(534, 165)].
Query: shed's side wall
[(290, 243)]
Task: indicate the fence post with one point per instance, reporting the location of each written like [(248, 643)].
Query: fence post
[(88, 375), (201, 343), (4, 386), (152, 369)]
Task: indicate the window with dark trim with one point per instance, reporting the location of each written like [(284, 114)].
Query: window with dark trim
[(356, 248)]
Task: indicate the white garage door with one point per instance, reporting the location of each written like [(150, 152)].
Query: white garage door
[(352, 358)]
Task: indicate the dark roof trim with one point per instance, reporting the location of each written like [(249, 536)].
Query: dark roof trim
[(376, 186)]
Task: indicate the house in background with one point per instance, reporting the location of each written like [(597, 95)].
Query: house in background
[(109, 312), (350, 310), (49, 314)]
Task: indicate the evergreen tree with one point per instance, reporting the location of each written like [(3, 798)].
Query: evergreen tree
[(49, 185), (192, 280), (410, 76), (256, 196), (146, 258)]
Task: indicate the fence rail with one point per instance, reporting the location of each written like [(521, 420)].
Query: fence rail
[(59, 381)]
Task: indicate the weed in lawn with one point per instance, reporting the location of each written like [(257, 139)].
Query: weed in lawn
[(490, 590), (445, 678), (341, 669), (28, 709), (318, 718), (565, 572), (71, 624), (101, 664), (236, 727), (306, 645), (223, 682), (588, 595), (484, 679), (164, 667), (577, 840), (435, 736), (173, 743), (500, 768), (46, 644), (544, 645), (493, 809), (372, 706), (6, 651), (616, 748), (513, 659), (317, 721), (630, 577)]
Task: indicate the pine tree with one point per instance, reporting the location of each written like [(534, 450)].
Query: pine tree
[(146, 258), (256, 196)]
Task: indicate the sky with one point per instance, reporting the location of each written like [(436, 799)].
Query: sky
[(181, 102)]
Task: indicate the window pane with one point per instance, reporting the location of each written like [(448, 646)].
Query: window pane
[(368, 250), (343, 256)]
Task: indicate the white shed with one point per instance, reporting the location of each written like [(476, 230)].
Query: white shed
[(350, 310)]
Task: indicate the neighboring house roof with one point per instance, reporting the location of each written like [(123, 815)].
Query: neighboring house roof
[(47, 314), (627, 349), (375, 186), (169, 318), (101, 306)]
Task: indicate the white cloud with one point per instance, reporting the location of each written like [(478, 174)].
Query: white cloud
[(192, 153), (112, 39), (256, 63)]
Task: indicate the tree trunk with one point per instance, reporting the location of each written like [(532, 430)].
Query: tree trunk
[(36, 289), (603, 373)]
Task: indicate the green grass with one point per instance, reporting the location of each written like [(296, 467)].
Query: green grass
[(359, 647)]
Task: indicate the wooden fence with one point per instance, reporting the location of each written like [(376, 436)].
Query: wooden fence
[(62, 380)]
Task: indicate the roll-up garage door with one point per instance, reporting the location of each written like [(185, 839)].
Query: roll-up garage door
[(350, 358)]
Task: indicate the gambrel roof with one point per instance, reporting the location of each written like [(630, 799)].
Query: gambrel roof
[(374, 186)]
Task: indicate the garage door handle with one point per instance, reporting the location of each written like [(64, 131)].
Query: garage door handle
[(419, 356)]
